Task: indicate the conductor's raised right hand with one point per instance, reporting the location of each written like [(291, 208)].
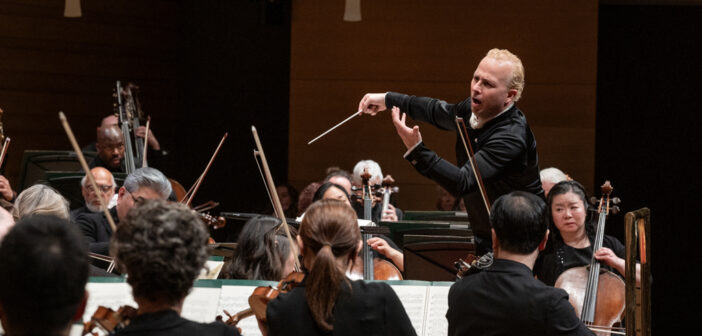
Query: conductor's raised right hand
[(372, 103)]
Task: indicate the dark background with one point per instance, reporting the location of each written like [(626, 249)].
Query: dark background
[(647, 137)]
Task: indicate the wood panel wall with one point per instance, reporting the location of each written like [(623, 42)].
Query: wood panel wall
[(50, 63), (432, 48)]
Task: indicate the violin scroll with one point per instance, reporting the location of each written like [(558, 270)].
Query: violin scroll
[(473, 264)]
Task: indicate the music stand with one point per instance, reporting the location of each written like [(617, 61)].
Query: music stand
[(36, 162), (432, 257), (68, 185), (449, 216)]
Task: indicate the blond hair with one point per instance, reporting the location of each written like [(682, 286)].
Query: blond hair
[(516, 80), (40, 199)]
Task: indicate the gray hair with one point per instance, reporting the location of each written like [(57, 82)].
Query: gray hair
[(162, 246), (373, 169), (40, 199), (553, 175), (151, 178)]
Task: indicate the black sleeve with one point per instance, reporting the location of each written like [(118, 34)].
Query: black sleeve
[(434, 111), (88, 227), (561, 317), (494, 156)]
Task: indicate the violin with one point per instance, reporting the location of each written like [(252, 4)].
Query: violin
[(258, 301), (108, 320), (597, 295), (472, 264)]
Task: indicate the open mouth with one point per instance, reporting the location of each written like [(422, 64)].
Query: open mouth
[(476, 101)]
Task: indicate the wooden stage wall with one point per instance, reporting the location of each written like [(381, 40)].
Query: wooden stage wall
[(432, 48)]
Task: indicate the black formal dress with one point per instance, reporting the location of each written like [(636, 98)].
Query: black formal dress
[(96, 230), (505, 299), (505, 153), (562, 257), (368, 309), (168, 322)]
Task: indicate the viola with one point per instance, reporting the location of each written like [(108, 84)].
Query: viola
[(597, 295), (108, 320)]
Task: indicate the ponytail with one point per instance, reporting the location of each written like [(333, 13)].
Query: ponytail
[(330, 233)]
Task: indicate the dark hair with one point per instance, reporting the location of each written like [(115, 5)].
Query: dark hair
[(330, 231), (162, 247), (555, 239), (262, 250), (306, 195), (518, 220), (292, 192), (337, 172), (319, 194), (43, 271)]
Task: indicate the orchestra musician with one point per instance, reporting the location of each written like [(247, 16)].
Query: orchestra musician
[(143, 183), (327, 301), (112, 120), (162, 246), (110, 150), (263, 251), (106, 183), (550, 176), (392, 214), (8, 194), (505, 148), (383, 245), (505, 299), (572, 235), (40, 199), (44, 272)]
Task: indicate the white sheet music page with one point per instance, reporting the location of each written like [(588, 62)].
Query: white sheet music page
[(414, 300), (201, 304), (235, 299), (109, 294), (437, 306)]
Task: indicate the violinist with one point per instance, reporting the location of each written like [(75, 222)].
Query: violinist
[(505, 147), (40, 199), (327, 301), (505, 299), (392, 214), (162, 247), (572, 235), (143, 183), (44, 272), (386, 248), (263, 251)]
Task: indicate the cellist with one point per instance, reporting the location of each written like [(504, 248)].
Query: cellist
[(572, 234)]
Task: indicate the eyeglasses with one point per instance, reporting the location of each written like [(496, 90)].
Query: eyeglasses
[(135, 199), (103, 188)]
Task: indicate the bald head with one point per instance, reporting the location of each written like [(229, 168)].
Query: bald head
[(110, 146), (110, 120), (106, 184)]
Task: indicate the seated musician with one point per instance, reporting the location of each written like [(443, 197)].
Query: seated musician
[(505, 299), (143, 183), (550, 176), (113, 120), (572, 236), (263, 251), (40, 199), (162, 247), (42, 287), (327, 301), (106, 183), (382, 244), (340, 177), (392, 214), (110, 150)]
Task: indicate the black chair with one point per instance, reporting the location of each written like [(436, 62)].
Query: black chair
[(35, 163)]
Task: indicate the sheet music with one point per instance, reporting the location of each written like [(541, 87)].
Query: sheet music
[(201, 304), (437, 306), (235, 299), (414, 300), (109, 294), (211, 269)]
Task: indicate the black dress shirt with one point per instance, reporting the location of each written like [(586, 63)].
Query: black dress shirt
[(505, 299)]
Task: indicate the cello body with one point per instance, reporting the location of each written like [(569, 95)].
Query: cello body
[(610, 294)]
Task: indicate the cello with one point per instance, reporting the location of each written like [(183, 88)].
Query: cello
[(596, 294)]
